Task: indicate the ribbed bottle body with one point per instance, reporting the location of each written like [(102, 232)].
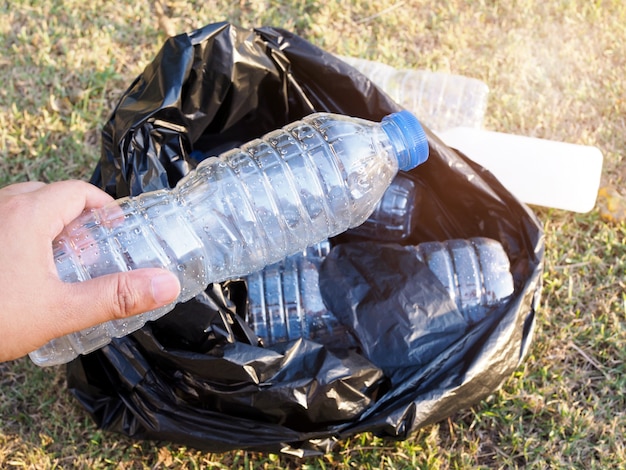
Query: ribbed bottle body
[(285, 302), (441, 100), (393, 218), (476, 272), (291, 189)]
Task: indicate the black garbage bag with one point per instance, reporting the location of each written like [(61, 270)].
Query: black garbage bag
[(198, 376)]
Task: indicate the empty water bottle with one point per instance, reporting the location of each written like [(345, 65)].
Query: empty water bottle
[(393, 217), (441, 100), (476, 272), (285, 301), (238, 212)]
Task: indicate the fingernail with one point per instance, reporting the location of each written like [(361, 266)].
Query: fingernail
[(165, 288)]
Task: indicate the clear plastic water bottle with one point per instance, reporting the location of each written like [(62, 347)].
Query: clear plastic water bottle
[(393, 217), (238, 212), (476, 272), (285, 301), (442, 101)]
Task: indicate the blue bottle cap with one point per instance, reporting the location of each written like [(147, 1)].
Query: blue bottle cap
[(408, 138)]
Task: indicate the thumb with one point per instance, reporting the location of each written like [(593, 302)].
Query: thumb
[(116, 296)]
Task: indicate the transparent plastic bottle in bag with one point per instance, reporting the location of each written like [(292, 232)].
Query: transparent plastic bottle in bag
[(238, 212), (441, 100), (476, 272), (393, 217), (285, 302)]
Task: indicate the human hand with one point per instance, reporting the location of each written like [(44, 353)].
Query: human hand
[(36, 306)]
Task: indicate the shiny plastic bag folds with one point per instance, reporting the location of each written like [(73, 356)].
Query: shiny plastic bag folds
[(198, 376)]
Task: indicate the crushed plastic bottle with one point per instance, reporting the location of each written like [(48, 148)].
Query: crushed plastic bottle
[(238, 212)]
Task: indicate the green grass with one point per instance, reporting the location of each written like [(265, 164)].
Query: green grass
[(555, 70)]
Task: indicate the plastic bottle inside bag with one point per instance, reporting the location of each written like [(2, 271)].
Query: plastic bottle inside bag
[(393, 217), (285, 302)]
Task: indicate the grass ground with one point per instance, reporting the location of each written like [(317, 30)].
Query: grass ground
[(555, 69)]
